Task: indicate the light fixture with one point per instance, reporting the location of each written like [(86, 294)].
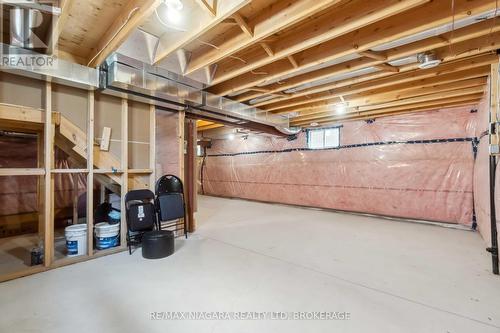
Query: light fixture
[(314, 124), (341, 108), (231, 136), (174, 4), (428, 60)]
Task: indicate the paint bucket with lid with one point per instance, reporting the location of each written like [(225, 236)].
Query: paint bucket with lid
[(76, 239), (106, 235)]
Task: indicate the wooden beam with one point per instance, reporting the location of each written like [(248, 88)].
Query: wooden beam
[(197, 23), (152, 147), (373, 81), (347, 18), (22, 172), (467, 41), (269, 21), (373, 55), (398, 85), (267, 48), (90, 174), (124, 167), (398, 97), (293, 61), (242, 22), (132, 15), (387, 68), (212, 9), (429, 16), (398, 105), (48, 186), (61, 22)]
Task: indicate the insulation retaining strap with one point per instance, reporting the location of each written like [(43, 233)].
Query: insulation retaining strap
[(380, 143)]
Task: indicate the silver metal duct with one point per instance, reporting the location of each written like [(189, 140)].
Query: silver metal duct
[(125, 77), (128, 76)]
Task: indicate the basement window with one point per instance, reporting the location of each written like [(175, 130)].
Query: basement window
[(323, 138)]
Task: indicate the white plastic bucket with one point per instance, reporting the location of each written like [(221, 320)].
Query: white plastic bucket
[(76, 239), (106, 235)]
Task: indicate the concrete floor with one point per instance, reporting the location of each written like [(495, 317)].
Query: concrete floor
[(390, 276)]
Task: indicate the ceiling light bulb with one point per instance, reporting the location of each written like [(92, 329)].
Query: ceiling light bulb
[(231, 136), (174, 4), (314, 124)]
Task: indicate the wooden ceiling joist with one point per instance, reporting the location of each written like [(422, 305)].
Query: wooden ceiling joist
[(273, 19), (461, 48), (132, 15), (398, 97), (420, 19), (402, 84), (62, 20), (373, 81), (347, 18)]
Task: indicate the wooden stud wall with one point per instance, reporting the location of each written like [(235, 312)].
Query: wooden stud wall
[(46, 169)]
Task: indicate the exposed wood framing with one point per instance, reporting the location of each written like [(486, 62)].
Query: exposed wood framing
[(124, 167), (267, 48), (62, 20), (373, 55), (49, 180), (374, 81), (22, 172), (425, 17), (270, 21), (242, 22), (134, 13), (200, 22), (152, 147), (211, 8), (90, 174), (347, 18)]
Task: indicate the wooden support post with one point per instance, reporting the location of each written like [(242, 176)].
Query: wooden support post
[(190, 173), (180, 126), (48, 184), (40, 187), (124, 167), (90, 175), (75, 197), (152, 146)]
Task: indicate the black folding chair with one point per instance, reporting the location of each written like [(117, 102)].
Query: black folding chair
[(170, 204), (140, 215)]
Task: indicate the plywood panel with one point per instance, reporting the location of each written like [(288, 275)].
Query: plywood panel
[(108, 114), (138, 155), (138, 122), (19, 90), (72, 103)]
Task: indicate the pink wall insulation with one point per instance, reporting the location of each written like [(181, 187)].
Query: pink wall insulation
[(419, 180)]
